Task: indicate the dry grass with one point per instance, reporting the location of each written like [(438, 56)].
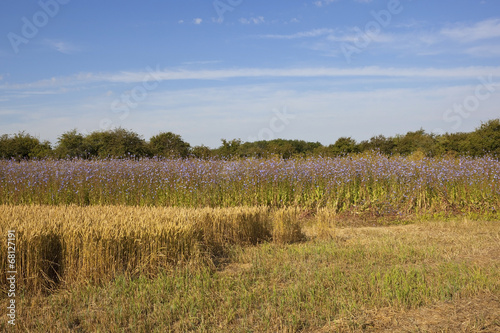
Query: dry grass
[(428, 244), (479, 313), (476, 314)]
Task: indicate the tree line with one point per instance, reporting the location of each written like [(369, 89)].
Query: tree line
[(122, 143)]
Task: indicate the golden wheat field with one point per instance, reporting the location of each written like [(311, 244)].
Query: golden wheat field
[(68, 244)]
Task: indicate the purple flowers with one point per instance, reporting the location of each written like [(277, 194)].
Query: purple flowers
[(368, 181)]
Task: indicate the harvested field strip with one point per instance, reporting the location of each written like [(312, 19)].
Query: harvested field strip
[(425, 277)]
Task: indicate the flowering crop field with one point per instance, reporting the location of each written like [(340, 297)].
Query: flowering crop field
[(371, 183)]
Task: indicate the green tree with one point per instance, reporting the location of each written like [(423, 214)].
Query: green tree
[(118, 143), (253, 149), (453, 144), (230, 149), (344, 146), (202, 152), (379, 143), (22, 146), (413, 141), (5, 149), (486, 139), (282, 148), (170, 145), (70, 145)]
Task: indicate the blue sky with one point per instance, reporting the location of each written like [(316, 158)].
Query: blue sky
[(314, 69)]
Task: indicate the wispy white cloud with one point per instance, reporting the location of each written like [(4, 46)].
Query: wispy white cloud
[(411, 24), (322, 114), (262, 73), (335, 35), (328, 42), (479, 38), (302, 34), (252, 20), (484, 51), (353, 36), (470, 33), (416, 38), (197, 21), (61, 46), (201, 62), (321, 3)]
